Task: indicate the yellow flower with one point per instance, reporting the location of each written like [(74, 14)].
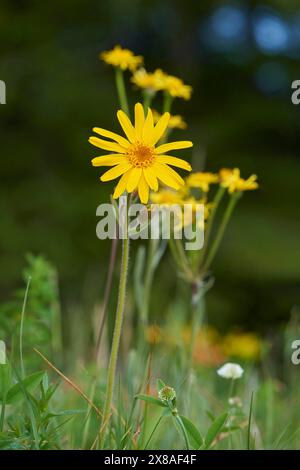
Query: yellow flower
[(153, 334), (166, 197), (148, 81), (242, 345), (176, 87), (136, 159), (202, 180), (123, 58), (231, 179), (175, 122)]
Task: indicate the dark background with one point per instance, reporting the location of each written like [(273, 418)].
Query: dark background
[(240, 58)]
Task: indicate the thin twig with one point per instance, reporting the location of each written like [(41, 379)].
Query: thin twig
[(70, 382)]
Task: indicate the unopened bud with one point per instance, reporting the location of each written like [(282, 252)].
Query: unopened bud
[(167, 394)]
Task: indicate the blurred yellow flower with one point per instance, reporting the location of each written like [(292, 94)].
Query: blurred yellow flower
[(202, 180), (148, 81), (208, 350), (176, 87), (153, 334), (231, 179), (242, 345), (166, 197), (123, 58), (175, 122), (159, 80), (136, 158)]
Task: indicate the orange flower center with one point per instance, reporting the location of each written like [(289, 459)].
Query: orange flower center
[(141, 155)]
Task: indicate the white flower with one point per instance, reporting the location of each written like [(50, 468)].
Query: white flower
[(2, 353), (230, 370)]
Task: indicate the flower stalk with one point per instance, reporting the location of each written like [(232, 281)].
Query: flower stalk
[(116, 335), (215, 245), (122, 90)]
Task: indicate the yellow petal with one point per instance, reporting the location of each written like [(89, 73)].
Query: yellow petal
[(167, 175), (150, 178), (105, 145), (111, 135), (174, 161), (121, 186), (143, 189), (139, 119), (148, 127), (181, 144), (115, 172), (160, 128), (108, 160), (133, 179), (126, 126)]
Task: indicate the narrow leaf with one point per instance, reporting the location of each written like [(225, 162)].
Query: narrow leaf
[(215, 429), (193, 433), (30, 383)]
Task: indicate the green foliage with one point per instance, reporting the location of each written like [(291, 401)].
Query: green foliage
[(42, 313)]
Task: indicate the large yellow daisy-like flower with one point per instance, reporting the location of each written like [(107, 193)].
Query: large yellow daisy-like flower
[(136, 158), (123, 58)]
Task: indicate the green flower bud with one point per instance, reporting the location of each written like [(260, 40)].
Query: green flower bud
[(167, 394)]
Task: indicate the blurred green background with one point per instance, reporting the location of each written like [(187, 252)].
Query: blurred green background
[(240, 57)]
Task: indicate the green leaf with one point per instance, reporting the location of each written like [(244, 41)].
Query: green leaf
[(152, 400), (193, 433), (215, 429), (5, 378), (30, 383), (210, 415), (55, 414)]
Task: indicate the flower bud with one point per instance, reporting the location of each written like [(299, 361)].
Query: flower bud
[(167, 394)]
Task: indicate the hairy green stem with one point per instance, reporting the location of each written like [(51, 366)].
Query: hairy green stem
[(197, 314), (116, 336)]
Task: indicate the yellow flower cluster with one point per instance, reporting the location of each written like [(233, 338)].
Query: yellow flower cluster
[(168, 197), (160, 81), (228, 178), (139, 159), (148, 81), (232, 180), (122, 58), (155, 81)]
